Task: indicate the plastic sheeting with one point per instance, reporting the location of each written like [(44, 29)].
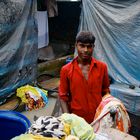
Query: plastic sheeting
[(129, 97), (18, 45), (116, 25)]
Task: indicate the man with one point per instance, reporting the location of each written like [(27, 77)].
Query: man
[(83, 81)]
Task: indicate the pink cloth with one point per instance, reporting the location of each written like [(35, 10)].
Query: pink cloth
[(102, 116)]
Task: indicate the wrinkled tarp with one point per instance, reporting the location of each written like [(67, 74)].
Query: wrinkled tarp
[(18, 45), (129, 97), (116, 25)]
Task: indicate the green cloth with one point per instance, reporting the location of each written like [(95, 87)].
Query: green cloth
[(79, 127)]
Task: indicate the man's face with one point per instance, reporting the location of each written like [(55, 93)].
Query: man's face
[(84, 50)]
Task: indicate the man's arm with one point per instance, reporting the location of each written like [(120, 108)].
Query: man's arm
[(63, 90)]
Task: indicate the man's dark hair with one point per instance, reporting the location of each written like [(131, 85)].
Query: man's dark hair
[(85, 37)]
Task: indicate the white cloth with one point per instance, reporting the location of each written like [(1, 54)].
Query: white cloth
[(103, 117), (43, 31)]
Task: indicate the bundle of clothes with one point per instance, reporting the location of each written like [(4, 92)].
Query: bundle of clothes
[(33, 97), (111, 113), (65, 127)]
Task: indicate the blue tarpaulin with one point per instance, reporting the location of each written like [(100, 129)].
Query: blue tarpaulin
[(116, 25), (18, 45)]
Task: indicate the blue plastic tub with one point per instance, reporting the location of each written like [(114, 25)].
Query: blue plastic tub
[(12, 124)]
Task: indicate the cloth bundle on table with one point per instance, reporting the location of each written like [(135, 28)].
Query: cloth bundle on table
[(103, 118)]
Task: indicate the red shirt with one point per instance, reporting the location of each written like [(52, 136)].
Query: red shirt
[(83, 96)]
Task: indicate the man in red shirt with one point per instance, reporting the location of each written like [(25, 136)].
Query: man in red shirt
[(83, 81)]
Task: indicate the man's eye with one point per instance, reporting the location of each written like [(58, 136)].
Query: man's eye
[(82, 45), (89, 46)]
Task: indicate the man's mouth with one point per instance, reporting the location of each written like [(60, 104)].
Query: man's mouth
[(85, 55)]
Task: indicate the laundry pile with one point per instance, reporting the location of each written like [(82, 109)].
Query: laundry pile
[(65, 127), (110, 113)]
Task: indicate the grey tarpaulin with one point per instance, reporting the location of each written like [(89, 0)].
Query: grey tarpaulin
[(116, 25), (18, 45), (129, 97)]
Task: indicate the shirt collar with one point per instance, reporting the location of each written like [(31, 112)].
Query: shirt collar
[(93, 61)]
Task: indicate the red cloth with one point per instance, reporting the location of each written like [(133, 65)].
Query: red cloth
[(84, 95)]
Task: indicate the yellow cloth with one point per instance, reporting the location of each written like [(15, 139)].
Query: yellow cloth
[(22, 90), (71, 137), (78, 126), (66, 128), (32, 137)]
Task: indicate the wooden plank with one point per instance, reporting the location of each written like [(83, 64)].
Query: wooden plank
[(50, 84), (52, 66), (11, 103)]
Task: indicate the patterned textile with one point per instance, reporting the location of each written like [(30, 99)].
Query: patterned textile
[(108, 108), (48, 126)]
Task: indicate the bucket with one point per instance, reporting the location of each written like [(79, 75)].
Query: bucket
[(12, 124)]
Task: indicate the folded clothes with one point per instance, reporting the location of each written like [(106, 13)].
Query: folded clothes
[(103, 118)]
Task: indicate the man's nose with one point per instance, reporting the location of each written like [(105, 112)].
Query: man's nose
[(85, 49)]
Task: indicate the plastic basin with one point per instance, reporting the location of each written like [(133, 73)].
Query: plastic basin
[(12, 124)]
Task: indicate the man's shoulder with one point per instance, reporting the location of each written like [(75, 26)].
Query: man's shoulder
[(67, 66)]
